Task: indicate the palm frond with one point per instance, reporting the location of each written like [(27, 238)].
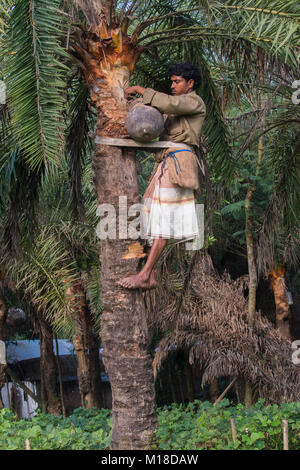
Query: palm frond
[(215, 130), (21, 201), (4, 14), (78, 145), (215, 331), (216, 136), (35, 79), (44, 274), (274, 30), (92, 286), (91, 9), (63, 252), (4, 122), (266, 21)]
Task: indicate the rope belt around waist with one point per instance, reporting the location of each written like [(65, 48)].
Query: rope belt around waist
[(160, 144), (176, 161)]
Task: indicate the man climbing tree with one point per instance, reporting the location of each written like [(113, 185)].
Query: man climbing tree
[(169, 204)]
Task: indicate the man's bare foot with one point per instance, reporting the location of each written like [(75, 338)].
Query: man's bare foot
[(138, 281)]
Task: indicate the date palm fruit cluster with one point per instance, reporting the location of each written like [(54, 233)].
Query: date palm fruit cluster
[(144, 123)]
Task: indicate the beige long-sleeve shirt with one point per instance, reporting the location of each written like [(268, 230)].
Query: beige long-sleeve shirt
[(186, 114)]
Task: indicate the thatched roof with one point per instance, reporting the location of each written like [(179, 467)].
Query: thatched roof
[(206, 314), (29, 369)]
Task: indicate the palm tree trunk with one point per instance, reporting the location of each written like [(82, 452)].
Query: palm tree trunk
[(189, 382), (61, 388), (48, 373), (281, 302), (250, 248), (170, 383), (124, 331), (2, 319), (214, 390), (81, 350), (93, 344), (87, 351)]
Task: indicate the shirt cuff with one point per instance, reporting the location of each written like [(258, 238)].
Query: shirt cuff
[(148, 95)]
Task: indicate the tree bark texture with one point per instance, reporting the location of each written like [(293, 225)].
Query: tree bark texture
[(252, 278), (86, 347), (189, 382), (277, 283), (61, 388), (109, 57), (2, 320), (250, 257), (252, 268), (96, 384)]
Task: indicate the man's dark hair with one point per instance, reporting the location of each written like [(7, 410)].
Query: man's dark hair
[(187, 71)]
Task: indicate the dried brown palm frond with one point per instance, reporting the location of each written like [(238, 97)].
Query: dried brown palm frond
[(279, 234), (94, 9), (91, 10), (21, 207), (212, 325), (4, 121)]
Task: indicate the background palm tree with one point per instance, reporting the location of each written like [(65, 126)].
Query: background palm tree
[(210, 323), (59, 275)]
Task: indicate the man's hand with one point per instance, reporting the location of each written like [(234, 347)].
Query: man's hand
[(133, 90)]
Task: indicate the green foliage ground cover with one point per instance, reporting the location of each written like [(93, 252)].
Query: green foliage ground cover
[(199, 425)]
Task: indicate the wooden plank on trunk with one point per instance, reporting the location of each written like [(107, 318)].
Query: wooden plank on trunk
[(285, 434), (116, 142)]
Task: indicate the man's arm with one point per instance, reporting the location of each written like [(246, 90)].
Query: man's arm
[(133, 90)]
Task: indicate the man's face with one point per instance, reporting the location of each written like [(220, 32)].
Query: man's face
[(180, 86)]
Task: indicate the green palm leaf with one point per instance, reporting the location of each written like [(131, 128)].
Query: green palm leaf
[(279, 234), (272, 24), (4, 13)]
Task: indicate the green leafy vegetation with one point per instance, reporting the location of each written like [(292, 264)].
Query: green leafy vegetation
[(199, 425), (83, 430), (32, 52)]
